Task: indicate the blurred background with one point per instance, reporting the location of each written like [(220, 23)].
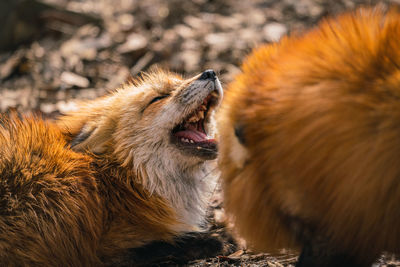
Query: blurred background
[(55, 51)]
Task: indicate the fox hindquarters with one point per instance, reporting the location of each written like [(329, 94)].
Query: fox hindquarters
[(310, 147), (122, 171)]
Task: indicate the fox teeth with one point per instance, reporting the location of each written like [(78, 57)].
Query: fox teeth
[(201, 115), (193, 119), (187, 140), (198, 115), (203, 108)]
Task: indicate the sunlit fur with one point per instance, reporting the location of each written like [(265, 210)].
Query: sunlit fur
[(137, 135), (103, 179), (320, 115)]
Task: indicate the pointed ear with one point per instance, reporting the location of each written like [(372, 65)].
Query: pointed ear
[(83, 135), (91, 134)]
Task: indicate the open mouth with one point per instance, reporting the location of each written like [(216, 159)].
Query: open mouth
[(191, 134)]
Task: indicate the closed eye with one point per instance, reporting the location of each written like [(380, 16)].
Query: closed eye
[(157, 99)]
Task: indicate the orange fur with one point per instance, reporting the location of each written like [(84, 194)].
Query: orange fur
[(62, 207), (78, 192), (319, 116)]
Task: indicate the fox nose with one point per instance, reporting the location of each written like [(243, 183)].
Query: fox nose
[(208, 75)]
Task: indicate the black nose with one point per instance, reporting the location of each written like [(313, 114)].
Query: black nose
[(208, 75)]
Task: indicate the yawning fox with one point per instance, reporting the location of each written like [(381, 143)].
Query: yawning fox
[(121, 171)]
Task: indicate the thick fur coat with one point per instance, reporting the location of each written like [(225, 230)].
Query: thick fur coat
[(310, 140), (106, 177)]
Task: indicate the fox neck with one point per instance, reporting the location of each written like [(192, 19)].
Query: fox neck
[(184, 182), (186, 188)]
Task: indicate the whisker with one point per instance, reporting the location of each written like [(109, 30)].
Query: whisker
[(216, 169), (208, 173)]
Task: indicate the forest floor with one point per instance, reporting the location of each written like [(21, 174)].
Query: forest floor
[(98, 44)]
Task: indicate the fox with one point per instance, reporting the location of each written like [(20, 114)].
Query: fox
[(120, 172), (309, 141)]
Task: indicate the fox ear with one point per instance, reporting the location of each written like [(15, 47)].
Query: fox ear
[(86, 131), (88, 134), (94, 136)]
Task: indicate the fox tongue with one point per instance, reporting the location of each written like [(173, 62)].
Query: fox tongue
[(191, 132), (192, 135)]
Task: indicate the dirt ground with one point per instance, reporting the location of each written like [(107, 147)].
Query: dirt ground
[(81, 49)]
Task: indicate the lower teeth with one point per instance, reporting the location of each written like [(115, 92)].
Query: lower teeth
[(187, 140)]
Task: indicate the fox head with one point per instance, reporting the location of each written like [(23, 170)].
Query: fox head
[(160, 122)]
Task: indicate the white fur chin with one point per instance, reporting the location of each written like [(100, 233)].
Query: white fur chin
[(187, 188), (185, 181)]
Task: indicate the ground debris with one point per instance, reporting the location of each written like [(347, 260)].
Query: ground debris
[(73, 79)]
